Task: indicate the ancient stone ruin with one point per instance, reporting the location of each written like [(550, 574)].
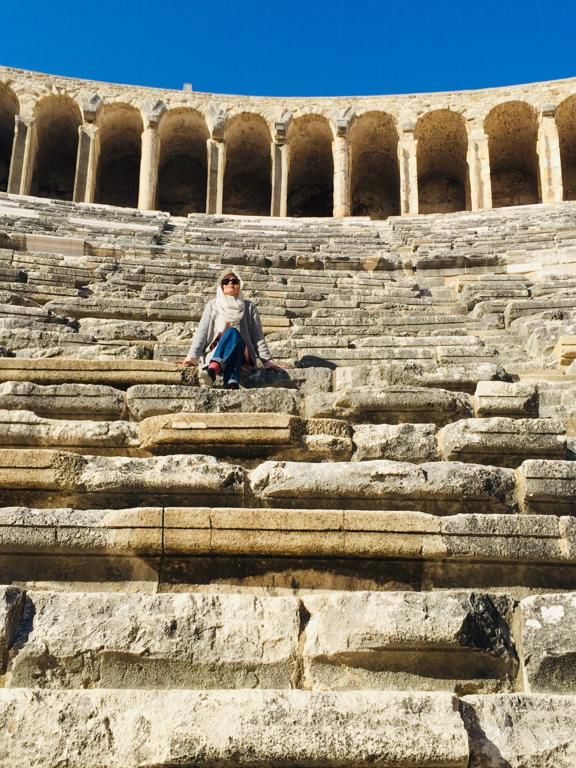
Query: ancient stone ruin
[(368, 558)]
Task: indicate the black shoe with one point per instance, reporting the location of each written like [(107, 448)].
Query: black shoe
[(232, 385)]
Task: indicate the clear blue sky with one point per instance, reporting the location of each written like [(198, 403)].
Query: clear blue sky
[(294, 48)]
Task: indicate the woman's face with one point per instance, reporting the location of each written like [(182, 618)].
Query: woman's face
[(230, 285)]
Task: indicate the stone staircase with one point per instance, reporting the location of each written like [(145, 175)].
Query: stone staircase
[(368, 557)]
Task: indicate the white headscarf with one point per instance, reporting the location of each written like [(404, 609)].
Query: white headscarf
[(228, 310)]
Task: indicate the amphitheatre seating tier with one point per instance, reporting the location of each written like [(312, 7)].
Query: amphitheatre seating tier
[(380, 537)]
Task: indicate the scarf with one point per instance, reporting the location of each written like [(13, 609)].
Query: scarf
[(228, 310)]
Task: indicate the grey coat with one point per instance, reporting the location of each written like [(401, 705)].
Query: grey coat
[(250, 330)]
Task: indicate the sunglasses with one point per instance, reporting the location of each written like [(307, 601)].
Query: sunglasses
[(230, 281)]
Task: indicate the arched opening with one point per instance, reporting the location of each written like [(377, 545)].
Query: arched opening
[(311, 176), (566, 122), (8, 111), (248, 173), (120, 151), (512, 130), (57, 122), (375, 181), (443, 182), (183, 166)]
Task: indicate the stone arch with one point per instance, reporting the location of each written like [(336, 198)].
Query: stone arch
[(183, 164), (311, 176), (248, 170), (375, 176), (57, 121), (9, 108), (566, 122), (443, 181), (512, 130), (119, 158)]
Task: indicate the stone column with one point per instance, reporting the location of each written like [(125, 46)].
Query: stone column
[(479, 169), (548, 148), (216, 165), (341, 157), (86, 163), (408, 163), (88, 151), (148, 182), (23, 155), (280, 168), (148, 168)]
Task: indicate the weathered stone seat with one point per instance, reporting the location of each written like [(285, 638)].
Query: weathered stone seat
[(502, 441), (256, 549)]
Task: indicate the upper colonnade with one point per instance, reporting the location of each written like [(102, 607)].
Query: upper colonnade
[(185, 152)]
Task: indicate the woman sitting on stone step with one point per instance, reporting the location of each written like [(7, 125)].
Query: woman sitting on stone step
[(229, 335)]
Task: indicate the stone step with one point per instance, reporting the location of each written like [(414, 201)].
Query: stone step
[(363, 640), (251, 549), (42, 477), (245, 435), (437, 488), (463, 377), (499, 398), (390, 404), (122, 373), (548, 487), (503, 441), (103, 728)]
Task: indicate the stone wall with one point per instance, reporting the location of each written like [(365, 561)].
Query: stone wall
[(187, 152)]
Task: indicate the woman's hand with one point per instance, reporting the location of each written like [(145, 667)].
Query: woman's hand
[(188, 361), (273, 366)]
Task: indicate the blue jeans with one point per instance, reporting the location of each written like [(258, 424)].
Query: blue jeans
[(229, 353)]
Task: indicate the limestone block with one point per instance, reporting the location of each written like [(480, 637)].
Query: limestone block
[(391, 404), (24, 428), (401, 442), (437, 488), (190, 476), (12, 601), (126, 532), (500, 398), (520, 730), (37, 470), (502, 441), (158, 641), (520, 308), (118, 330), (63, 400), (547, 487), (148, 400), (565, 350), (230, 431), (502, 538), (27, 475), (296, 532), (247, 434), (548, 643), (403, 640), (130, 729), (460, 378), (112, 372)]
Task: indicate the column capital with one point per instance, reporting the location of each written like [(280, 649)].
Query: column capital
[(90, 106), (216, 118), (342, 120), (152, 111), (548, 110), (476, 132), (26, 120), (407, 128), (281, 128)]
